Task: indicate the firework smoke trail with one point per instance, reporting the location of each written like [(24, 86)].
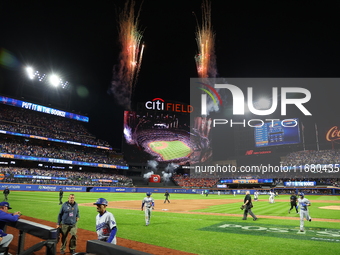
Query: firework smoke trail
[(205, 38), (125, 74)]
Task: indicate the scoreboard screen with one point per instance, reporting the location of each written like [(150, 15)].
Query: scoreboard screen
[(278, 132)]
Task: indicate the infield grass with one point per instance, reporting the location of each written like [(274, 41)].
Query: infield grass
[(169, 150), (198, 233)]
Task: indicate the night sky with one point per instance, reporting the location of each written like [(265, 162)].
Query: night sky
[(79, 40)]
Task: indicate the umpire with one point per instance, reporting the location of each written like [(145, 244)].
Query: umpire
[(247, 204), (61, 194), (293, 203), (167, 195)]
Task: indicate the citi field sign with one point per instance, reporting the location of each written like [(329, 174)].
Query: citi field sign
[(160, 104)]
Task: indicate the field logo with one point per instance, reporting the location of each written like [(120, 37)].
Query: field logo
[(238, 100), (278, 231)]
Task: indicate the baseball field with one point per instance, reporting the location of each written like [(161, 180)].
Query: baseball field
[(169, 150), (203, 225)]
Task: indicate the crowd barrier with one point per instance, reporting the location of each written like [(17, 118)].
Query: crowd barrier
[(44, 232)]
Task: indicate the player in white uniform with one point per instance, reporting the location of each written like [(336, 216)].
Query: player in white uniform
[(148, 204), (303, 204), (271, 197), (105, 222), (256, 195)]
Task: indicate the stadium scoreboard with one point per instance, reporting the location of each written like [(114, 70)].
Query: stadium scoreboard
[(277, 133)]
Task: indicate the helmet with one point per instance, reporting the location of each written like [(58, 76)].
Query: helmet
[(148, 194), (101, 201), (301, 194)]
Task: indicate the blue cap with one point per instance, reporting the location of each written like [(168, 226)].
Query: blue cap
[(2, 233), (101, 201), (148, 194), (5, 204)]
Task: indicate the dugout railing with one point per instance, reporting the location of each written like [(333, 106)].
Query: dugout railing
[(49, 238), (48, 234)]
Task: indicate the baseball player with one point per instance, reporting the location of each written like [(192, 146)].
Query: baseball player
[(105, 222), (293, 203), (303, 204), (271, 197), (256, 195), (149, 205), (167, 195)]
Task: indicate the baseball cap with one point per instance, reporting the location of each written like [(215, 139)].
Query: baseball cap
[(5, 204), (2, 233), (101, 201)]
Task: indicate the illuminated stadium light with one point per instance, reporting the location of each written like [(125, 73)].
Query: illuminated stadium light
[(30, 72), (65, 84), (52, 78)]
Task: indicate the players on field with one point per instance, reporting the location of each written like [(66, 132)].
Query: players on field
[(61, 194), (105, 222), (148, 204), (247, 207), (303, 205), (293, 203), (256, 195), (271, 197), (167, 195), (6, 193)]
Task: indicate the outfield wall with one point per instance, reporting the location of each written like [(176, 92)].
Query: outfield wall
[(48, 187)]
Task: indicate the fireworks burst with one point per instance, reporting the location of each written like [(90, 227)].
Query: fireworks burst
[(205, 37), (130, 59)]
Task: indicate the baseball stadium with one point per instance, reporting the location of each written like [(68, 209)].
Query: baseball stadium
[(203, 216), (205, 177)]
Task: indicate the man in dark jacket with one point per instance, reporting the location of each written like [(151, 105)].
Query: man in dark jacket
[(247, 207), (67, 222), (6, 193)]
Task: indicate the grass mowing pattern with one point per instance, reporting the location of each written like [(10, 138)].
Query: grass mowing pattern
[(169, 150), (183, 231)]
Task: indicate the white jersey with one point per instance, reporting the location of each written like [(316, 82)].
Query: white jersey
[(148, 202), (303, 204), (104, 224)]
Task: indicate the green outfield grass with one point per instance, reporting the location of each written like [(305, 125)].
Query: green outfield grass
[(169, 150), (203, 234)]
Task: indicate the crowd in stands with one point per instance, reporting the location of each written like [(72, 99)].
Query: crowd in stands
[(23, 121), (72, 177), (187, 181), (312, 157), (30, 147)]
